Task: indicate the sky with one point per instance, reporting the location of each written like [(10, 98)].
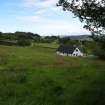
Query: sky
[(38, 16)]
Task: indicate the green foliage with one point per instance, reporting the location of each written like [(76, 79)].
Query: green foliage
[(100, 47), (68, 40), (20, 38), (89, 46), (24, 42), (49, 39), (0, 34), (91, 12), (64, 40), (23, 39)]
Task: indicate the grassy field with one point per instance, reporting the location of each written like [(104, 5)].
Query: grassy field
[(37, 76)]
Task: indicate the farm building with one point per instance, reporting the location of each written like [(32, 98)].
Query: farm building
[(69, 50)]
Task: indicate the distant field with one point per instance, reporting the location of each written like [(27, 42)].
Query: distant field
[(47, 45), (37, 76)]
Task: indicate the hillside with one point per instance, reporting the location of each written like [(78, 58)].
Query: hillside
[(37, 76), (79, 37)]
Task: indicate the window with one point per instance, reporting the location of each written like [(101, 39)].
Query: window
[(73, 54), (76, 49)]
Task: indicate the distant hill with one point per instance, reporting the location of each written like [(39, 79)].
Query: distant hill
[(80, 37)]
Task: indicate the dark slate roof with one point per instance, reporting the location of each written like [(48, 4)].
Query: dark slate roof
[(69, 49)]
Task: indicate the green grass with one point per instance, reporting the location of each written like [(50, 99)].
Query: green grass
[(47, 45), (37, 76)]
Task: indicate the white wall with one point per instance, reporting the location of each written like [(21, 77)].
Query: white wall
[(63, 54), (77, 52)]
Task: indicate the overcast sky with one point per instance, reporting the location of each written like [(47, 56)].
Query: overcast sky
[(38, 16)]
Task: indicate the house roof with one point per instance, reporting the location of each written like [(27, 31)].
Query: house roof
[(69, 49)]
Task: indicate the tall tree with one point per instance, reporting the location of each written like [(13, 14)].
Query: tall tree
[(91, 12)]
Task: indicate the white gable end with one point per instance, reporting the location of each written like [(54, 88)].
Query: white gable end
[(77, 52)]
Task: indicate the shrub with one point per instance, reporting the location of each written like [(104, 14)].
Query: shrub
[(100, 47), (24, 42)]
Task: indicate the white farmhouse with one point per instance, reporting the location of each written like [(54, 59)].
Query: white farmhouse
[(69, 50)]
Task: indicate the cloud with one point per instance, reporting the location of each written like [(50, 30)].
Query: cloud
[(41, 11), (49, 27), (40, 6), (47, 3), (41, 16), (29, 3), (49, 18), (29, 18), (40, 3), (64, 28)]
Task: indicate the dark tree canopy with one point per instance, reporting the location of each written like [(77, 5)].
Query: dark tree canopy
[(91, 12)]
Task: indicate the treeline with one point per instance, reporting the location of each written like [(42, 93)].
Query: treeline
[(95, 46), (18, 38), (27, 38), (24, 38)]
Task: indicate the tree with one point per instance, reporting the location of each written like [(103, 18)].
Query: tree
[(0, 35), (91, 12), (23, 39), (36, 38)]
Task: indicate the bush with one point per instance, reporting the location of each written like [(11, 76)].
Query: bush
[(23, 39), (99, 52), (100, 47), (24, 42)]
